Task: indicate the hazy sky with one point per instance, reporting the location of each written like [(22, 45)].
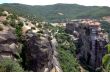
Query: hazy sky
[(46, 2)]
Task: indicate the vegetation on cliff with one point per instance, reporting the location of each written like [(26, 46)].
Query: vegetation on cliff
[(106, 26), (66, 51), (10, 66)]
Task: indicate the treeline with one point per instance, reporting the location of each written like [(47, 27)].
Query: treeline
[(53, 12)]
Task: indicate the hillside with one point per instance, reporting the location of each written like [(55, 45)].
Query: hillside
[(57, 12)]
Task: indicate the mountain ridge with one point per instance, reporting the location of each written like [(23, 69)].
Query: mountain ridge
[(51, 12)]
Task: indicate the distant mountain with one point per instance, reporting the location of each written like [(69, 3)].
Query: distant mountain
[(57, 12)]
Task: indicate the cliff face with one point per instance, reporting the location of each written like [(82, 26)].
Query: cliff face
[(41, 54), (20, 39), (8, 43), (90, 41), (38, 52)]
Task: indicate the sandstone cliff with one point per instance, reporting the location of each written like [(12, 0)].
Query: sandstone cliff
[(90, 41)]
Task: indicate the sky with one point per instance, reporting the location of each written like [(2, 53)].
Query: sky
[(49, 2)]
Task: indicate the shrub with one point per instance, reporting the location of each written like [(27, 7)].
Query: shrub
[(1, 14), (10, 66), (33, 28), (39, 26), (12, 16), (19, 30), (13, 23), (1, 28), (5, 22), (33, 22)]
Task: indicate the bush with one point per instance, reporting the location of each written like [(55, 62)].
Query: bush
[(1, 28), (10, 66), (13, 23), (12, 16), (33, 22), (1, 14), (19, 30), (39, 26), (5, 22)]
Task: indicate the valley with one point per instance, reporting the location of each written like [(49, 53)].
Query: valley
[(50, 39)]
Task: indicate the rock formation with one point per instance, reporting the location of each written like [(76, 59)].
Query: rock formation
[(8, 43), (40, 49), (55, 62), (39, 52), (90, 41)]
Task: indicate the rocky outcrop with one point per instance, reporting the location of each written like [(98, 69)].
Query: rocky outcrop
[(40, 49), (38, 52), (55, 62), (90, 41), (8, 43)]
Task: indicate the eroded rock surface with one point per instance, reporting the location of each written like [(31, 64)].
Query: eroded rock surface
[(90, 41), (8, 43), (40, 53)]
